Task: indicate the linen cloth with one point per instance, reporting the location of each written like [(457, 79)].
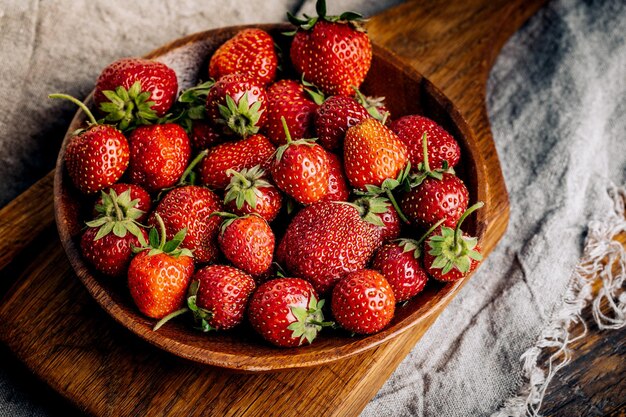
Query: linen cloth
[(556, 101)]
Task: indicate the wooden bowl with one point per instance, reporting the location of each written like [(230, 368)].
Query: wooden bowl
[(406, 92)]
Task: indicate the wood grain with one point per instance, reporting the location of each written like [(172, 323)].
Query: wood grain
[(51, 323)]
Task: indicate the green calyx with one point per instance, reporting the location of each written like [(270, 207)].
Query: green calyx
[(372, 104), (117, 214), (201, 316), (128, 108), (409, 245), (308, 22), (370, 206), (240, 118), (309, 321), (244, 186), (402, 182), (452, 249), (190, 106), (229, 218), (158, 243), (313, 91), (281, 149)]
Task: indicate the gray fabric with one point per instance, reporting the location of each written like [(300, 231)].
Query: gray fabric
[(557, 99), (556, 102)]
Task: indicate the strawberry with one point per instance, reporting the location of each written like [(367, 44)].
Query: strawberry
[(301, 169), (190, 207), (435, 199), (437, 194), (135, 91), (250, 52), (245, 153), (96, 157), (441, 145), (237, 104), (218, 297), (334, 117), (287, 98), (399, 262), (337, 184), (108, 242), (139, 198), (326, 241), (363, 302), (203, 136), (159, 275), (286, 312), (250, 193), (158, 155), (332, 52), (450, 255), (379, 212), (247, 242), (372, 153)]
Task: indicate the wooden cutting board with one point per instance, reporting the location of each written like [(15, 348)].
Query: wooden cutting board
[(49, 321)]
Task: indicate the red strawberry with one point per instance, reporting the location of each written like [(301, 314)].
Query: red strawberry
[(382, 217), (249, 192), (247, 242), (337, 184), (135, 91), (286, 312), (332, 52), (96, 157), (108, 242), (441, 145), (158, 155), (219, 296), (245, 153), (334, 117), (138, 199), (435, 199), (326, 241), (301, 169), (249, 52), (204, 136), (402, 269), (237, 103), (372, 153), (190, 207), (363, 302), (287, 98), (450, 255), (158, 277)]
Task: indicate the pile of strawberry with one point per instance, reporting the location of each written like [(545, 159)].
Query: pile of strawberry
[(218, 201)]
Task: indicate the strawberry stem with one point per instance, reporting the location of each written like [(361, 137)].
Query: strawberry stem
[(191, 166), (425, 150), (429, 231), (169, 317), (285, 128), (457, 231), (396, 207), (162, 229), (83, 107)]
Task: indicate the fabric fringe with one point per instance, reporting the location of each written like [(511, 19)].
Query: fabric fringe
[(603, 264)]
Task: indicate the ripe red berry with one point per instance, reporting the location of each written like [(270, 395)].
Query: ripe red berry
[(334, 117), (247, 242), (249, 192), (158, 155), (363, 302), (286, 312), (250, 52), (401, 267)]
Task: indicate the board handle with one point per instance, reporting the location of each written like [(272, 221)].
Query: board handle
[(25, 218)]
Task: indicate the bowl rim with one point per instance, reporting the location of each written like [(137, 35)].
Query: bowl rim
[(300, 358)]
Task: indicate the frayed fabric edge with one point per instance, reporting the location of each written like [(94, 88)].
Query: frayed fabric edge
[(603, 262)]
